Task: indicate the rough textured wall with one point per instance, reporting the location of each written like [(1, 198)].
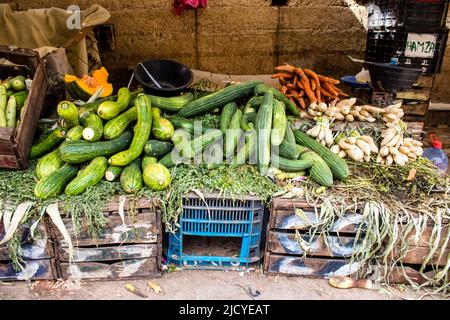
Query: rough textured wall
[(441, 90), (231, 36)]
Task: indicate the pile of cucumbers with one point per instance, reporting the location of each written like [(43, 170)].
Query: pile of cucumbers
[(13, 94)]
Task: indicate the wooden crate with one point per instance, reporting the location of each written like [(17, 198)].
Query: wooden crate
[(15, 143), (38, 255), (326, 256), (118, 253), (416, 101)]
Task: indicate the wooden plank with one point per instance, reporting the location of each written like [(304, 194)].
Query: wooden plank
[(289, 220), (416, 255), (415, 94), (142, 228), (330, 246), (423, 239), (126, 269), (97, 254), (113, 205), (9, 161), (397, 275), (6, 146), (36, 269), (424, 82), (415, 109), (309, 267)]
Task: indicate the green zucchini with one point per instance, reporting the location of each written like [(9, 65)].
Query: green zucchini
[(115, 127), (93, 127), (337, 165), (11, 112), (218, 98), (44, 145), (188, 125), (141, 133), (3, 104), (69, 112), (131, 177), (263, 126), (155, 148), (54, 184), (88, 176), (278, 123), (246, 151), (107, 110), (81, 151), (234, 134), (227, 112), (263, 88), (48, 164), (75, 133), (172, 103), (319, 171), (291, 165), (113, 173)]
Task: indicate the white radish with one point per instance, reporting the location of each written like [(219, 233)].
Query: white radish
[(322, 107), (384, 151), (335, 149), (328, 137), (364, 146), (393, 151), (342, 154), (355, 153), (389, 160)]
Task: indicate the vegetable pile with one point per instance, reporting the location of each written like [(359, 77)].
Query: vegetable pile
[(13, 94)]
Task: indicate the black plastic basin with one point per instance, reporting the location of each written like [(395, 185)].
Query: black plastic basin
[(387, 77), (173, 77)]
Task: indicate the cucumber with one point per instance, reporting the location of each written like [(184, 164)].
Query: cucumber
[(319, 171), (288, 151), (11, 112), (48, 164), (81, 151), (113, 173), (162, 129), (246, 151), (93, 127), (88, 176), (234, 133), (278, 123), (155, 148), (218, 98), (146, 160), (248, 121), (188, 125), (291, 165), (253, 104), (289, 135), (3, 103), (54, 184), (141, 133), (18, 83), (262, 89), (227, 112), (69, 112), (263, 128), (172, 103), (44, 145), (213, 155), (75, 133), (131, 177), (107, 110), (21, 97), (115, 127)]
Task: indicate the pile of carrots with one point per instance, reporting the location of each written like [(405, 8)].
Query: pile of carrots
[(304, 86)]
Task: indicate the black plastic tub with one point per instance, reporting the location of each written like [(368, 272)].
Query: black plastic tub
[(387, 77), (173, 77)]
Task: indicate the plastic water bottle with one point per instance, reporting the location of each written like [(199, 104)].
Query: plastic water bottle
[(435, 153)]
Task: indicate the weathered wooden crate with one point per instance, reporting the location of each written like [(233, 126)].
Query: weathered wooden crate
[(38, 255), (417, 100), (120, 252), (327, 256), (15, 143)]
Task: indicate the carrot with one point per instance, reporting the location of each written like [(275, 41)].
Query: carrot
[(325, 93), (294, 82), (318, 95), (292, 93), (300, 85), (302, 103), (307, 87), (282, 81), (328, 87), (335, 88), (283, 89), (313, 75), (285, 76), (313, 85), (285, 68), (342, 94), (301, 94), (324, 79)]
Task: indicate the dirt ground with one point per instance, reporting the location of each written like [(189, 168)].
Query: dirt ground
[(206, 285)]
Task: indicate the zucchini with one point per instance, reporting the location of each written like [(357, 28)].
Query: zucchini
[(246, 151), (44, 145), (253, 104), (291, 165), (11, 112), (69, 112), (48, 164), (113, 173), (74, 134), (155, 148), (81, 151), (263, 126), (218, 98), (141, 133), (88, 176), (188, 125), (93, 127), (172, 103), (53, 184), (131, 177), (248, 121), (196, 146), (162, 129), (263, 89), (337, 165), (233, 135), (107, 110), (278, 123), (115, 127), (3, 103), (227, 112), (319, 171)]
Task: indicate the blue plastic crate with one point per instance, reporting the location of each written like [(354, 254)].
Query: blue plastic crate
[(214, 216)]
